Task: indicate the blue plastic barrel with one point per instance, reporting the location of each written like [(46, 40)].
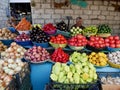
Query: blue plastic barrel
[(40, 75)]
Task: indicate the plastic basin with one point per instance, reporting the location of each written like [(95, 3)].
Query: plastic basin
[(58, 45), (24, 43), (44, 45), (26, 32), (7, 42)]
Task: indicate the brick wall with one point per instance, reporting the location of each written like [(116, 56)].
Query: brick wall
[(44, 12), (3, 18)]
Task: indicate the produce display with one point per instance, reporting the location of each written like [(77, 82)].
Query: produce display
[(2, 47), (58, 41), (13, 52), (59, 56), (49, 28), (98, 59), (23, 25), (6, 34), (78, 57), (37, 54), (74, 31), (78, 41), (113, 41), (96, 42), (39, 36), (114, 57), (5, 79), (81, 73), (111, 80), (77, 68), (103, 28), (11, 66), (22, 37), (90, 30), (62, 26)]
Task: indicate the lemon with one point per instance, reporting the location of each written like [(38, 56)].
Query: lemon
[(90, 60), (90, 56), (93, 62), (103, 63), (98, 64), (93, 53), (94, 58)]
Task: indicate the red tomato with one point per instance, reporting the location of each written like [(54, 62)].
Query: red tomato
[(101, 39), (112, 45), (106, 40), (80, 36), (117, 41), (79, 41), (112, 41), (102, 45), (117, 46), (111, 37), (100, 42), (79, 44), (92, 38), (107, 44), (116, 37), (96, 38), (91, 43), (97, 45)]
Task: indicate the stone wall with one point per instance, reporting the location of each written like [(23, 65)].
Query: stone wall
[(3, 18), (44, 12)]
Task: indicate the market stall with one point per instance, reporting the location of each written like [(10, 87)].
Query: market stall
[(60, 58)]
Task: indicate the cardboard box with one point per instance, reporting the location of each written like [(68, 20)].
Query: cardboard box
[(110, 87)]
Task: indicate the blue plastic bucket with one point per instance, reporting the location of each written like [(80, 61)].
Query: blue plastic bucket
[(40, 75)]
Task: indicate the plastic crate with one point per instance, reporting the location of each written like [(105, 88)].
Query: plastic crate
[(60, 86), (71, 87)]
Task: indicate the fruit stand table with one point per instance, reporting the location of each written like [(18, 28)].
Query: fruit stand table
[(40, 74)]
